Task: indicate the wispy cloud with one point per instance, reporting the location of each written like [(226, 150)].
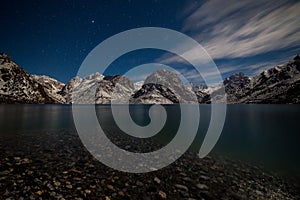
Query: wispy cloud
[(259, 67), (194, 76), (251, 69), (245, 28), (239, 29)]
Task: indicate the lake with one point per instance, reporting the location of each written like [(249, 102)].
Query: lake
[(265, 135)]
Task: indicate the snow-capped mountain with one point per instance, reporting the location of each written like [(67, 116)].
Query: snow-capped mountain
[(51, 86), (280, 84), (210, 89), (154, 94), (138, 85), (95, 77), (114, 89), (97, 89), (237, 86), (78, 89), (198, 86), (17, 86), (164, 86)]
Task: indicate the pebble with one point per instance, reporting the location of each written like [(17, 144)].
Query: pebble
[(52, 194), (110, 187), (187, 179), (202, 186), (87, 191), (25, 161), (162, 194), (57, 183), (51, 171), (259, 193), (157, 180), (69, 186), (204, 177), (50, 186), (181, 187), (4, 172), (139, 183)]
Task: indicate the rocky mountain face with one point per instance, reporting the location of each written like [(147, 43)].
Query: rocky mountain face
[(154, 94), (203, 91), (198, 86), (17, 86), (51, 86), (237, 86), (138, 85), (98, 89), (166, 87), (280, 84), (114, 89), (79, 90)]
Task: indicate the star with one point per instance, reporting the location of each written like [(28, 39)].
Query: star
[(93, 21)]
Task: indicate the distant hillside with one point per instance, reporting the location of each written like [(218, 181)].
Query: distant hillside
[(280, 84), (17, 86)]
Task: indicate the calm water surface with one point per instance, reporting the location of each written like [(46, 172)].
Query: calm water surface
[(267, 135)]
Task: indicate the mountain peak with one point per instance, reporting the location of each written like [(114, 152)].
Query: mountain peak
[(297, 57), (110, 78), (4, 55), (279, 84), (163, 77), (6, 61), (17, 86), (164, 86), (237, 77), (96, 75)]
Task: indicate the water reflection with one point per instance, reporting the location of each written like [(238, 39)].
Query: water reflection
[(26, 118), (265, 134)]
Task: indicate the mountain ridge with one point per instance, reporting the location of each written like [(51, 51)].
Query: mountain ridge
[(18, 86), (279, 84)]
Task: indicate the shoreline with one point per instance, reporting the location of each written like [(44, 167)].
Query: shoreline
[(57, 166)]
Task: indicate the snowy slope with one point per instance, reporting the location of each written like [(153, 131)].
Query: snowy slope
[(78, 89), (17, 86), (51, 86)]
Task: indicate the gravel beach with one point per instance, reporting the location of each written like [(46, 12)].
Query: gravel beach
[(55, 165)]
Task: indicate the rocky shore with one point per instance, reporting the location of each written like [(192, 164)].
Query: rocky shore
[(55, 165)]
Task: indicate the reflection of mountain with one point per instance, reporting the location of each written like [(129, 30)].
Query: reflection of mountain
[(280, 84)]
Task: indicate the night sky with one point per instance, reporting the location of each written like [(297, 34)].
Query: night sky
[(53, 37)]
